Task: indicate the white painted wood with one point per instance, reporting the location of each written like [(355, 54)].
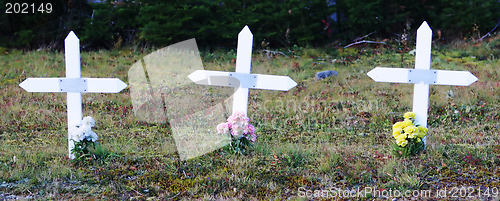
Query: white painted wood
[(74, 98), (422, 63), (105, 85), (218, 78), (242, 76), (244, 52), (94, 85), (243, 65), (455, 78), (444, 77)]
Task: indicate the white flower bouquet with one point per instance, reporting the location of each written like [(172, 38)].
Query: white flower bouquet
[(86, 145)]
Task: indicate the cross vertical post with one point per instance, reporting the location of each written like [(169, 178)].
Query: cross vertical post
[(243, 65), (73, 70), (422, 61)]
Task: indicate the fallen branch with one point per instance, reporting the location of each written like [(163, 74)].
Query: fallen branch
[(364, 41), (274, 52), (364, 36), (489, 33)]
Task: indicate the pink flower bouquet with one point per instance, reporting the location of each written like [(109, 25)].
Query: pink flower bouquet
[(241, 131)]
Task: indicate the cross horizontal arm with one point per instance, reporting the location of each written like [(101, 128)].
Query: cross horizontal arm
[(251, 81), (93, 85), (435, 77)]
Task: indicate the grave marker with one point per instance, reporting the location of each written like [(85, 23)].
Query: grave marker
[(422, 76), (73, 84), (242, 80)]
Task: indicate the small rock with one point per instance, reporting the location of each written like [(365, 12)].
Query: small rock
[(5, 185), (325, 74)]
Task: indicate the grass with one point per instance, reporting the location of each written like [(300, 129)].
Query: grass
[(320, 135)]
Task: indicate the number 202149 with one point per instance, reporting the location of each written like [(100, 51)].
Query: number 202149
[(27, 8)]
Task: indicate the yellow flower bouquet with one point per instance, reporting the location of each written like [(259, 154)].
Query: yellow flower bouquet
[(408, 136)]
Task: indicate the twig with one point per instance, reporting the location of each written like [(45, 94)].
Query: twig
[(136, 191), (364, 36), (274, 52), (364, 41), (489, 32)]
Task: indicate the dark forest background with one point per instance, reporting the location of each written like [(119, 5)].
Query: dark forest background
[(216, 23)]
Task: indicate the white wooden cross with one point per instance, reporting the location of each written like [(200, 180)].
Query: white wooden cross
[(242, 80), (422, 75), (73, 84)]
